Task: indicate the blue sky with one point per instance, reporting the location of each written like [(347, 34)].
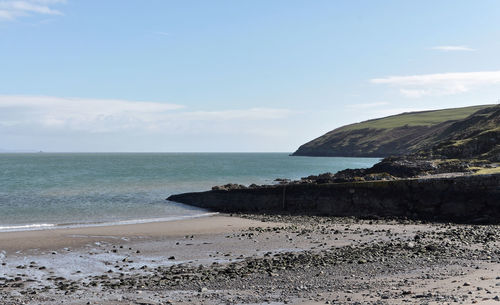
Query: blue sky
[(85, 75)]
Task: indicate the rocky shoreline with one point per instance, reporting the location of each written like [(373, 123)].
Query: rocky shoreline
[(276, 271), (303, 260), (389, 169)]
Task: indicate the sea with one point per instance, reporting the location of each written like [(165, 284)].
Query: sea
[(50, 190)]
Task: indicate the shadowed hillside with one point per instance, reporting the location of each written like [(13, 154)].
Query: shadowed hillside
[(477, 136), (401, 134)]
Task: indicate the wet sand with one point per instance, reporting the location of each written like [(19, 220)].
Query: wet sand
[(252, 259), (55, 239)]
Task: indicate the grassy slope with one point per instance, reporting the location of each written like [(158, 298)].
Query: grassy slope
[(393, 135), (422, 118)]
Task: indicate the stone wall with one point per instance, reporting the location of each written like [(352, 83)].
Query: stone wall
[(460, 199)]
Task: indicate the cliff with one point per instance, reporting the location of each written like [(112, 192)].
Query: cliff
[(394, 135)]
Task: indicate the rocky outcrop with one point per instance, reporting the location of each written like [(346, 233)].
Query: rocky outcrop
[(393, 168), (476, 137), (460, 199)]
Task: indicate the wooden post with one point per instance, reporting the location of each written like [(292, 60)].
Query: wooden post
[(284, 194)]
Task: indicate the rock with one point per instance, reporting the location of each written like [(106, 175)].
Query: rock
[(282, 180), (227, 187), (145, 302), (431, 248)]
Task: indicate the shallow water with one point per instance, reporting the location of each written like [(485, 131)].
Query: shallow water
[(45, 190)]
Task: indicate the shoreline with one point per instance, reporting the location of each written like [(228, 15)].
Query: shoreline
[(253, 259), (52, 226), (58, 237)]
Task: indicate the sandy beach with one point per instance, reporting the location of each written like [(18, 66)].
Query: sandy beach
[(253, 259), (57, 239)]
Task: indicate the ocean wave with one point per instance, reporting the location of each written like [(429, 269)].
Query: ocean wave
[(35, 226), (46, 226), (148, 220)]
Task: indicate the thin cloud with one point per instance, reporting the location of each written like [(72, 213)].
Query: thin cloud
[(95, 115), (11, 10), (110, 115), (367, 105), (452, 48), (245, 114), (439, 84)]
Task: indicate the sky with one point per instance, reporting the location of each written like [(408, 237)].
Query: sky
[(236, 76)]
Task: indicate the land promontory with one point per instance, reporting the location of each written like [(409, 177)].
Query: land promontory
[(459, 130)]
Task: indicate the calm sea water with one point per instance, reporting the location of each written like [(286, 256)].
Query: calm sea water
[(44, 190)]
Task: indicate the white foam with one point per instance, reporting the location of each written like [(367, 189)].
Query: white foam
[(35, 226), (147, 220), (47, 226)]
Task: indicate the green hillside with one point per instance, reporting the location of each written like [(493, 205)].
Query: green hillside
[(422, 118), (393, 135)]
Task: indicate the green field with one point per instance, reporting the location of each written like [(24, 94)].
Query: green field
[(423, 118)]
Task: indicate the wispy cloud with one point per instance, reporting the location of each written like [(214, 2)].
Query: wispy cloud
[(162, 33), (367, 105), (415, 86), (245, 114), (452, 48), (11, 10), (109, 115)]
